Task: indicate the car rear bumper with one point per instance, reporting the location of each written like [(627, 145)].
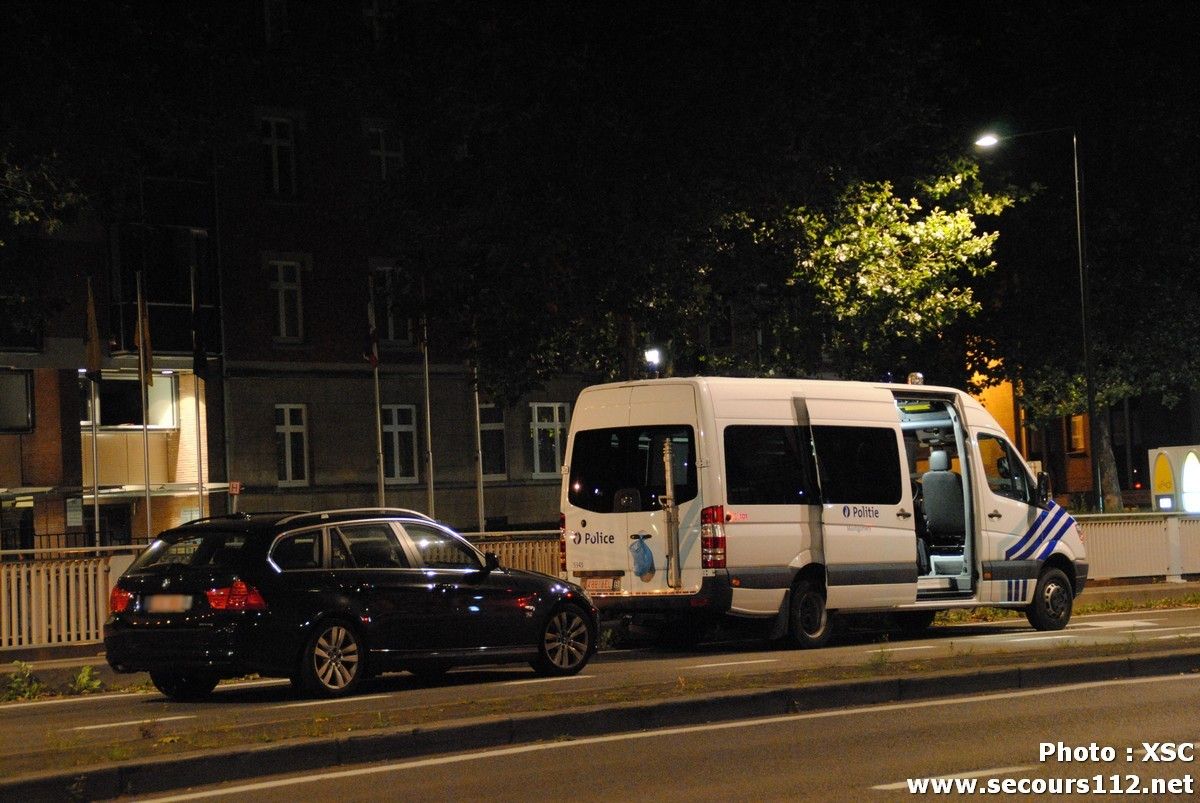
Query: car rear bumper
[(229, 649)]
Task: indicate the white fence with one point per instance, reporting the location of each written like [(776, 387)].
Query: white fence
[(46, 603)]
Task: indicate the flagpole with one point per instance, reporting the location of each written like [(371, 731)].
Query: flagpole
[(428, 424), (478, 451), (373, 346), (95, 465), (196, 386), (144, 369), (92, 372)]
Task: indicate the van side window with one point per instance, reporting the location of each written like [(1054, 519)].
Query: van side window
[(769, 465), (858, 465), (1005, 474), (620, 469)]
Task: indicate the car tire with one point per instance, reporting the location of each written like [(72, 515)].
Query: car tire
[(809, 623), (184, 686), (333, 663), (1053, 599), (566, 641), (913, 623)]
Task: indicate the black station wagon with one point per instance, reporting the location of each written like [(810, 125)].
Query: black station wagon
[(327, 599)]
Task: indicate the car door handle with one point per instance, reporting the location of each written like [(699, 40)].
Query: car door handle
[(903, 514), (995, 514)]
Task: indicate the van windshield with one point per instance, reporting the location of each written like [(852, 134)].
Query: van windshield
[(621, 470)]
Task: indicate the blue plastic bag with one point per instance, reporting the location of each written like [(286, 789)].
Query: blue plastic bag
[(643, 558)]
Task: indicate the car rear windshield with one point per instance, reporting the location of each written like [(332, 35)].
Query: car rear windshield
[(210, 548), (621, 469)]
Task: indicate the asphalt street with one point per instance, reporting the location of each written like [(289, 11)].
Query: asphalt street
[(865, 752)]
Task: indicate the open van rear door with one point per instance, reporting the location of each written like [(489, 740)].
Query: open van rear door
[(868, 528)]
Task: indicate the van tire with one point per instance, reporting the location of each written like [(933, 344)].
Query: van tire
[(1053, 598), (809, 624)]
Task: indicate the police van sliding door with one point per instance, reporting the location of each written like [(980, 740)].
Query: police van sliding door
[(868, 528)]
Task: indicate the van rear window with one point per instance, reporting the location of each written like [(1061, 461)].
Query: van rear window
[(621, 470)]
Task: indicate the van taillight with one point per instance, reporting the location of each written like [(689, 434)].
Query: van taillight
[(712, 537), (562, 544), (236, 597), (118, 600)]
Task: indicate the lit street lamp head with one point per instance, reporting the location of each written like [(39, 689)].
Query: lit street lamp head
[(987, 140)]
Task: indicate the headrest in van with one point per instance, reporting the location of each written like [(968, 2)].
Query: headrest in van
[(939, 461)]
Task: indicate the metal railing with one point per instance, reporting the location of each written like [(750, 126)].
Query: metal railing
[(59, 596)]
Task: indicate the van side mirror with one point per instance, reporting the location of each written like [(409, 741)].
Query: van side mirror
[(1043, 489)]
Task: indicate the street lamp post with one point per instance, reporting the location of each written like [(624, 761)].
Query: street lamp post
[(989, 140)]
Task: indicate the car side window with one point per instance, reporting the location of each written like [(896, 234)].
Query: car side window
[(298, 551), (371, 546), (439, 549), (1006, 475)]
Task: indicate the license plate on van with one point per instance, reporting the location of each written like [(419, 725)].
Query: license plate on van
[(168, 603), (602, 584)]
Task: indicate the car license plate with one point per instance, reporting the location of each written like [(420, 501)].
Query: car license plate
[(602, 584), (168, 603)]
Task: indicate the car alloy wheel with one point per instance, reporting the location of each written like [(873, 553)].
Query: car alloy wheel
[(566, 642), (333, 660)]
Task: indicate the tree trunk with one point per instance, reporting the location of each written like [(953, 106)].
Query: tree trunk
[(1110, 483)]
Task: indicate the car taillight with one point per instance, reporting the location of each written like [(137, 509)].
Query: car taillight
[(562, 543), (712, 537), (118, 600), (236, 597)]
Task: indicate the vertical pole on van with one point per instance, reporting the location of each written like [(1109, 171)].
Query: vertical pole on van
[(667, 500)]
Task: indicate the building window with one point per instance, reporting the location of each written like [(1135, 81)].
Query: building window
[(491, 436), (548, 434), (279, 156), (1077, 432), (16, 401), (275, 21), (378, 15), (291, 444), (399, 442), (386, 151), (393, 299), (119, 402), (289, 308)]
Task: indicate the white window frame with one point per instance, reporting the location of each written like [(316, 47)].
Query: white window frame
[(283, 291), (389, 161), (287, 430), (494, 426), (393, 430), (556, 429), (280, 147), (394, 329)]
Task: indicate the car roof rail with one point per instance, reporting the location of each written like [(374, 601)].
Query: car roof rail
[(353, 512), (241, 515)]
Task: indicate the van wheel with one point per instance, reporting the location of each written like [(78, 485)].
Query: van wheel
[(809, 625), (1052, 601), (914, 623)]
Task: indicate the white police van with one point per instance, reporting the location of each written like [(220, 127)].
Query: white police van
[(684, 500)]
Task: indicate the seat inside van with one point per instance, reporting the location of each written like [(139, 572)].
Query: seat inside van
[(943, 500)]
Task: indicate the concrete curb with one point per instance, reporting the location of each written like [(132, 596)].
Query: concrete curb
[(214, 766)]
